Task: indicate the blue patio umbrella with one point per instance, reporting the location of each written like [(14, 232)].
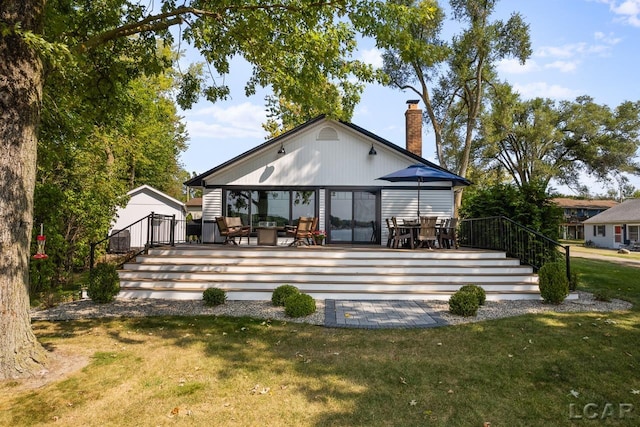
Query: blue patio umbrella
[(424, 173)]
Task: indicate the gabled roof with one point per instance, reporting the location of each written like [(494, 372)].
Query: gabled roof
[(157, 193), (198, 180), (626, 212), (567, 202)]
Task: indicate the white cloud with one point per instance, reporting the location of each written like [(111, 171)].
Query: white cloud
[(236, 121), (563, 66), (372, 56), (513, 66), (545, 90), (628, 11)]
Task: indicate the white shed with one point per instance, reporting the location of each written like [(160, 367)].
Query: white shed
[(142, 202)]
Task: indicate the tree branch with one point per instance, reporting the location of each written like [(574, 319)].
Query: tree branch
[(165, 20)]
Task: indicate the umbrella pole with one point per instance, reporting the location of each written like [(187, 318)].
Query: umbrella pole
[(419, 180)]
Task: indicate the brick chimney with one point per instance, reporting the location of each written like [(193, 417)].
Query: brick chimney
[(413, 118)]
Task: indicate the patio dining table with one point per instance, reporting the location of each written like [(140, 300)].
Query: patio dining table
[(413, 226)]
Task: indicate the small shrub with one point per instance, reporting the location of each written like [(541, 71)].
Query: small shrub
[(104, 283), (214, 296), (281, 293), (299, 305), (478, 291), (553, 282), (574, 281), (602, 295), (464, 303)]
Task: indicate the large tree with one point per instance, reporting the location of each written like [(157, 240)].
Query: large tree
[(294, 46), (451, 78), (540, 140)]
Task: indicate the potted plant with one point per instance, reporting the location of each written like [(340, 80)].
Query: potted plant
[(319, 236)]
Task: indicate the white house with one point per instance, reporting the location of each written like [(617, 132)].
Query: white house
[(327, 169), (616, 227), (142, 202)]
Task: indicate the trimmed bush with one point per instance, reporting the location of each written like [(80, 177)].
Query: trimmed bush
[(299, 305), (464, 303), (553, 282), (478, 291), (602, 295), (214, 296), (104, 283), (574, 282), (281, 293)]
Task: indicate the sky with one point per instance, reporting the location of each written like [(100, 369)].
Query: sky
[(580, 47)]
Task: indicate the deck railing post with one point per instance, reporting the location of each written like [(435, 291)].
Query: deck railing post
[(172, 232), (151, 229), (92, 255)]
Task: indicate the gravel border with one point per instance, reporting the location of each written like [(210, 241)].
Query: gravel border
[(87, 309)]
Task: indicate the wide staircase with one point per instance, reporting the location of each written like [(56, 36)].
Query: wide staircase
[(252, 273)]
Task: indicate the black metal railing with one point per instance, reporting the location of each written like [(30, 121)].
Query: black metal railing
[(501, 233), (134, 239)]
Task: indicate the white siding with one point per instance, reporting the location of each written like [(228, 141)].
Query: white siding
[(322, 216), (606, 241), (313, 160), (404, 204), (211, 208)]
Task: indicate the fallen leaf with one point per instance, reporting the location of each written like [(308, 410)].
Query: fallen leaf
[(402, 380), (635, 391), (175, 411), (413, 403), (574, 393), (450, 391)]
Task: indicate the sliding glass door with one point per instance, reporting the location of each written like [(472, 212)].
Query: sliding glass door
[(353, 217)]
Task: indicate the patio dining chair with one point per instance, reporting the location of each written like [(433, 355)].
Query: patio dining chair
[(231, 227), (402, 235), (391, 232), (448, 234), (303, 233), (427, 234)]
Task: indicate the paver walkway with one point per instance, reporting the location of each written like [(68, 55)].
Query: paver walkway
[(380, 314)]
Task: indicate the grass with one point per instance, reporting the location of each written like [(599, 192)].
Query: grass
[(223, 371)]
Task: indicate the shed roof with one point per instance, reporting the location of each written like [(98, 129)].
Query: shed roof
[(625, 212)]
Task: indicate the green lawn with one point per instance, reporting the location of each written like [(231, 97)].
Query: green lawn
[(535, 370)]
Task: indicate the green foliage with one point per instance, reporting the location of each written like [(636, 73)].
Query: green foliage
[(478, 291), (281, 293), (214, 296), (553, 282), (574, 280), (104, 283), (603, 295), (539, 140), (299, 305), (464, 303), (528, 205)]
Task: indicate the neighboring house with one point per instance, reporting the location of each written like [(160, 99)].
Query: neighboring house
[(616, 227), (576, 211), (326, 169), (142, 201), (194, 207)]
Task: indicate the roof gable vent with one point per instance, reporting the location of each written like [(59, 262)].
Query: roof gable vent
[(327, 134)]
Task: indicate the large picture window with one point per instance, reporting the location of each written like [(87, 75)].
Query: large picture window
[(283, 207)]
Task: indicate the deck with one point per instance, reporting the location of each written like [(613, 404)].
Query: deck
[(249, 272)]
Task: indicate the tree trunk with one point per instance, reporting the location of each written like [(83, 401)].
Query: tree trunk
[(20, 102)]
